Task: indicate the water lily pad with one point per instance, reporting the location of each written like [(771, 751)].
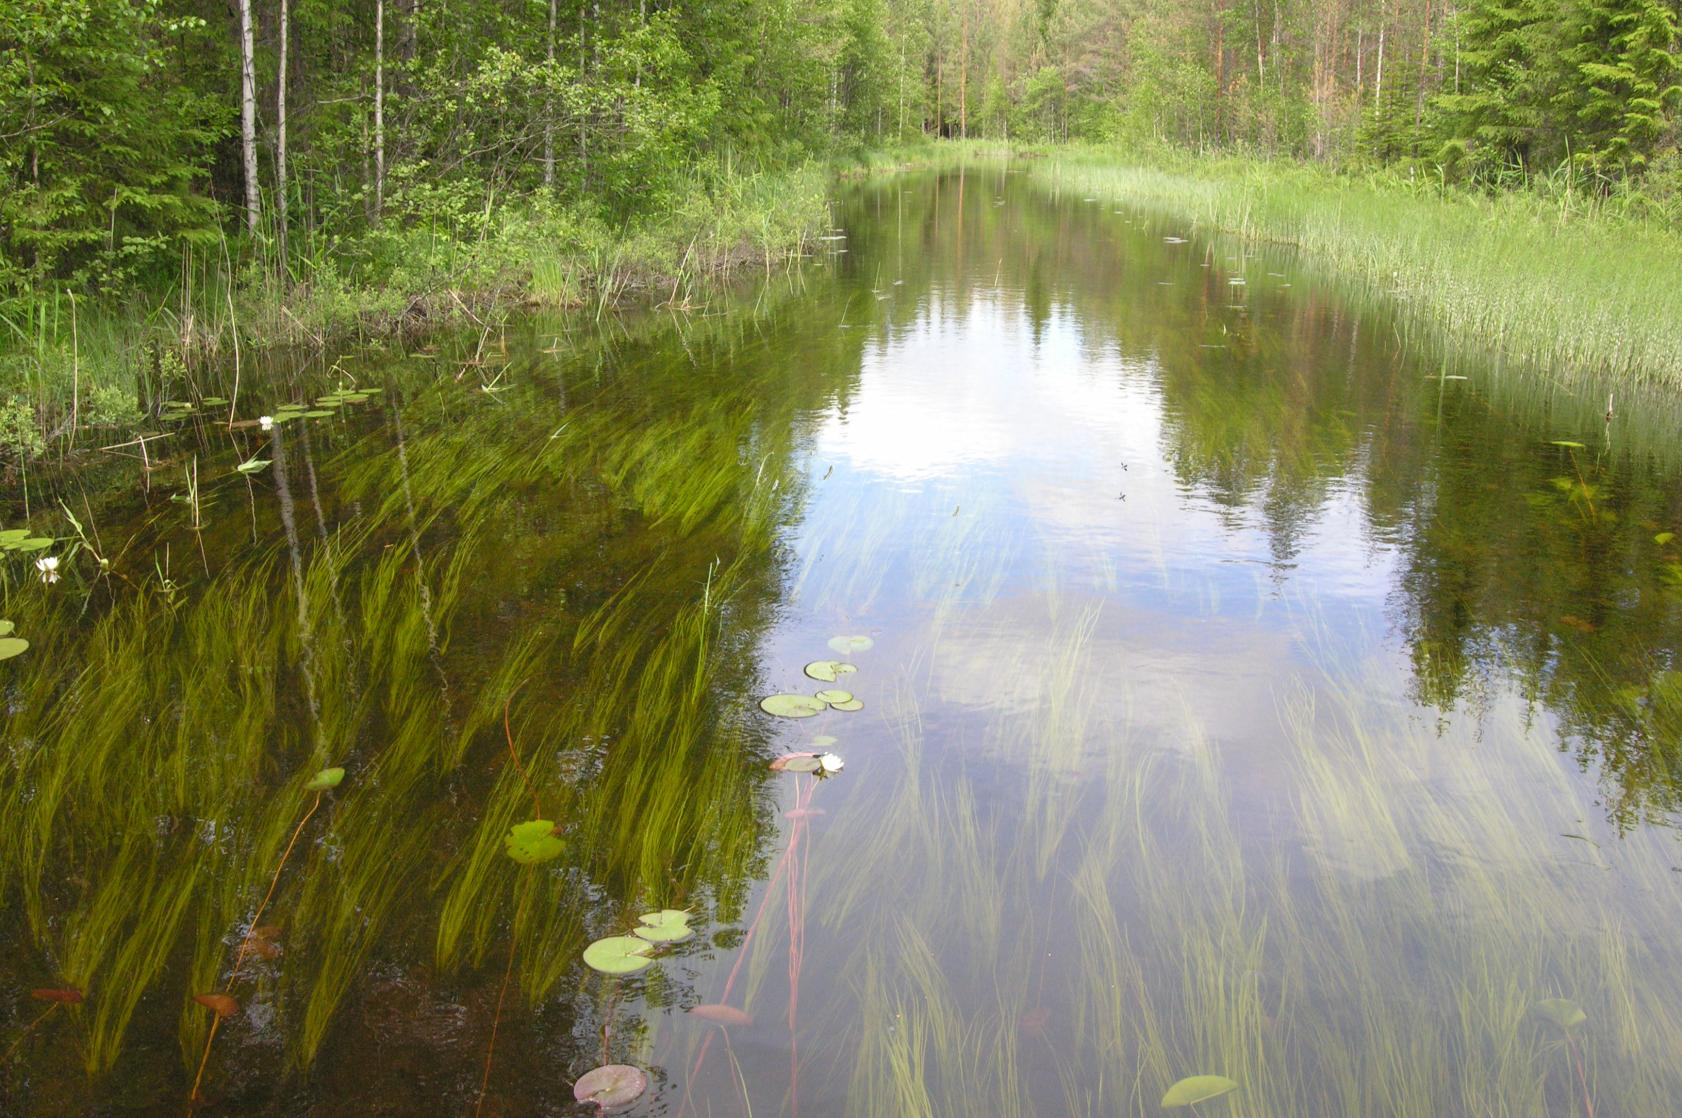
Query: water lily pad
[(12, 646), (611, 1085), (823, 741), (214, 401), (34, 543), (827, 670), (325, 779), (251, 465), (618, 954), (280, 417), (791, 706), (220, 1004), (726, 1015), (6, 628), (848, 645), (849, 706), (533, 842), (797, 763), (13, 536), (669, 925), (1568, 444), (317, 413), (1562, 1011), (834, 695), (1197, 1088)]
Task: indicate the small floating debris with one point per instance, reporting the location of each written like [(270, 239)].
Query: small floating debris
[(1173, 240)]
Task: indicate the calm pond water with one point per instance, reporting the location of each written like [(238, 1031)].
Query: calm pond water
[(1248, 696)]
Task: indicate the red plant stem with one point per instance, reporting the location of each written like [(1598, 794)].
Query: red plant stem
[(801, 802), (27, 1029), (496, 1019), (519, 768), (244, 943), (1576, 1058), (501, 992)]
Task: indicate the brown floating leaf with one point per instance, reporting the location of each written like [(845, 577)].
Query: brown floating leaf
[(611, 1085), (722, 1015), (63, 997), (220, 1004)]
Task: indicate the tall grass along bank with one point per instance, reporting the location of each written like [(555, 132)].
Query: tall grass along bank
[(77, 371), (1547, 279)]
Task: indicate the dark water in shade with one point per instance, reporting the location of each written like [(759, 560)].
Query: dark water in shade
[(1247, 698)]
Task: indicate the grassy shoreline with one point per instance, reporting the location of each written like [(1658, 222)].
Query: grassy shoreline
[(1551, 282), (69, 364)]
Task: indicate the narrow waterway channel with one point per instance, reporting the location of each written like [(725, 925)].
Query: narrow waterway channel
[(1241, 691)]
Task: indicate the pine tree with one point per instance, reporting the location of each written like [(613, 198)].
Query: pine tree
[(1625, 67), (1496, 116)]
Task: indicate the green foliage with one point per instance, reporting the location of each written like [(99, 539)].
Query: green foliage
[(104, 148)]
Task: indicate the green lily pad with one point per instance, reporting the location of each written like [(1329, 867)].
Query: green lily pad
[(280, 417), (1568, 444), (34, 543), (13, 535), (669, 925), (214, 401), (1197, 1088), (610, 1086), (791, 706), (849, 705), (1562, 1011), (325, 779), (823, 741), (251, 465), (827, 670), (317, 413), (12, 646), (534, 841), (797, 763), (355, 397), (6, 628), (834, 696), (618, 954), (848, 645)]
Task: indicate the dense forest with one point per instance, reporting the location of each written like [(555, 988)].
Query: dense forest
[(131, 127)]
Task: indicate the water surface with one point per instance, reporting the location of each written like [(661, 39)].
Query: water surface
[(1253, 692)]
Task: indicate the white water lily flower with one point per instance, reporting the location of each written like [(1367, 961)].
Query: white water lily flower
[(48, 566), (266, 422), (830, 763)]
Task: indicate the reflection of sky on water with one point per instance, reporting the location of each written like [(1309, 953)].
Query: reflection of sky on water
[(1038, 465)]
